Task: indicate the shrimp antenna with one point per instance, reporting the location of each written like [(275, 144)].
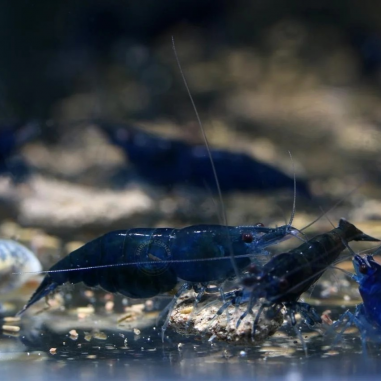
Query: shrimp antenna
[(378, 251), (344, 258), (294, 202), (334, 206), (347, 273), (223, 211), (329, 220), (289, 226), (138, 263)]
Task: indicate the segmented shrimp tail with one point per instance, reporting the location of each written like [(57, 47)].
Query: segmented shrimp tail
[(357, 234), (45, 288), (365, 237)]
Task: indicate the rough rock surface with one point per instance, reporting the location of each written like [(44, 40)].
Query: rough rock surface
[(223, 327)]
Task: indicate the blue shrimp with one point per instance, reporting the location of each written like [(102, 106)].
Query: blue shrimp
[(286, 276), (144, 262), (166, 161), (12, 137), (367, 317)]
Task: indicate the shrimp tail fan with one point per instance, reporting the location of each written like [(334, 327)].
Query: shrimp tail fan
[(45, 288), (356, 233)]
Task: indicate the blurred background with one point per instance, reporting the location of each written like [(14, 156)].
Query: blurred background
[(94, 113), (267, 78)]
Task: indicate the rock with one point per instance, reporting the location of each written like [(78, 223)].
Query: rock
[(223, 327)]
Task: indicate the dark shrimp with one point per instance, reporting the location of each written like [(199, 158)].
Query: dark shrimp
[(142, 263), (285, 277), (12, 137), (367, 316), (169, 161)]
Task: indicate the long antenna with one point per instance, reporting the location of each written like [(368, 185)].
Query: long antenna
[(334, 206), (224, 217), (294, 202)]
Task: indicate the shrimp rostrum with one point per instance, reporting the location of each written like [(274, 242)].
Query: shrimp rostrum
[(145, 262), (286, 276)]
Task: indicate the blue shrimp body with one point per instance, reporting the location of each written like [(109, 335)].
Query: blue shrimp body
[(141, 263), (166, 161), (117, 247), (368, 275), (367, 316), (200, 243)]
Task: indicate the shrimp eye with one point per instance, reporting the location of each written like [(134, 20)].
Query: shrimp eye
[(247, 237), (283, 283), (253, 269), (260, 225), (363, 268)]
